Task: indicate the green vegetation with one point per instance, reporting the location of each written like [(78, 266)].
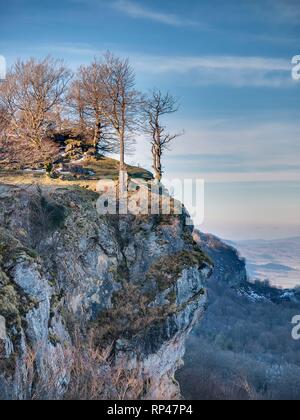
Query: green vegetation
[(9, 306), (14, 305), (13, 250), (48, 168)]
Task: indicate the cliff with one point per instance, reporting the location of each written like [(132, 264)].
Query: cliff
[(229, 266), (87, 298)]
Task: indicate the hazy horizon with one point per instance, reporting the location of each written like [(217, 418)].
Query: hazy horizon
[(266, 236)]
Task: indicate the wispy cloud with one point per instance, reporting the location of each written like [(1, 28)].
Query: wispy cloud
[(184, 64), (286, 10), (232, 151), (138, 11), (240, 151), (73, 49), (221, 70), (234, 71)]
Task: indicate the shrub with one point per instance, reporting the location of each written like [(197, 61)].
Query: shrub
[(46, 216)]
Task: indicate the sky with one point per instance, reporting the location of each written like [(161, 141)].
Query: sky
[(228, 63)]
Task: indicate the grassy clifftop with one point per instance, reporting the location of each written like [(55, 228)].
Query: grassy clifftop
[(85, 173)]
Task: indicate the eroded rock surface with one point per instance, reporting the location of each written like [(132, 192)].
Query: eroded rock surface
[(131, 284)]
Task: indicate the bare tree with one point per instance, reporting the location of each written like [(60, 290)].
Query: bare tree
[(122, 102), (155, 107), (31, 93), (88, 99)]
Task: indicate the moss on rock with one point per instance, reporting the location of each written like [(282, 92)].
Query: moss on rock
[(9, 306), (167, 270), (130, 314), (14, 303)]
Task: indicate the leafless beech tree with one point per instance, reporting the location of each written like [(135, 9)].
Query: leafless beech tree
[(122, 101), (157, 106), (32, 92), (88, 99), (20, 154)]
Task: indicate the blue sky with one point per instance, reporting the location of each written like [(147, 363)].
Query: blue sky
[(230, 65)]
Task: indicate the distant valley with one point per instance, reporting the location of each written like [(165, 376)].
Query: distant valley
[(277, 261)]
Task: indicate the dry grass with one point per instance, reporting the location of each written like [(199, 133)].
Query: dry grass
[(105, 168), (92, 375), (31, 179), (95, 376)]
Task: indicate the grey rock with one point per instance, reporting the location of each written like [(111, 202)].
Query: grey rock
[(73, 274)]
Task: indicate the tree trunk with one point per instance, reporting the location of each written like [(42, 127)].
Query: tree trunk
[(97, 133), (81, 121), (123, 172), (122, 153), (156, 152)]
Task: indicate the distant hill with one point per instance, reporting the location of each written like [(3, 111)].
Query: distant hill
[(272, 267), (277, 261)]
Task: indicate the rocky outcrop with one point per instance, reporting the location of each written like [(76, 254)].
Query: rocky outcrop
[(229, 266), (130, 286)]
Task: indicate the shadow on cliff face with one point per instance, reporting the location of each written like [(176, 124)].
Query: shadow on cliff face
[(242, 349)]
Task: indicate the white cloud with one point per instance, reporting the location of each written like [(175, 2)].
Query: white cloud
[(268, 150), (227, 70), (235, 71), (137, 11), (73, 49), (184, 64), (241, 177), (231, 151), (285, 10)]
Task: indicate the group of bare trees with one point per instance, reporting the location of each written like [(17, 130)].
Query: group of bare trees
[(100, 101)]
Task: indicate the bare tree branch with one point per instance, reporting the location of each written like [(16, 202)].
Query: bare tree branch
[(157, 106), (30, 93)]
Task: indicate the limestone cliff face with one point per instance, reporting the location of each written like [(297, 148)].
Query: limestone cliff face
[(132, 286)]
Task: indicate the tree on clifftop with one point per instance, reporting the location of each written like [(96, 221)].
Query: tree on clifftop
[(31, 94), (157, 106), (122, 104), (87, 99)]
